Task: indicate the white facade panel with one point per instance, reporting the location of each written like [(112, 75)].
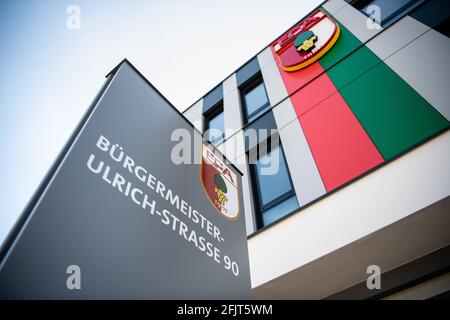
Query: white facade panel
[(334, 6), (231, 107), (305, 176), (388, 42), (357, 23), (195, 114), (402, 187), (425, 65)]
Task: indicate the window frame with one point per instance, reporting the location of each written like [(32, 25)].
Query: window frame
[(247, 87), (260, 208), (208, 116)]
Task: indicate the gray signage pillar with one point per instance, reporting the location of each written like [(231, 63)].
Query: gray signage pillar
[(117, 218)]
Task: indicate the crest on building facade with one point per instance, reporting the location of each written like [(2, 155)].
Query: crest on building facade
[(306, 42), (220, 184)]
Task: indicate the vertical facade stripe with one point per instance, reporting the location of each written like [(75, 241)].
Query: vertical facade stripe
[(397, 119), (340, 146), (276, 91), (343, 116), (424, 69), (231, 107), (346, 44), (305, 176), (195, 115)]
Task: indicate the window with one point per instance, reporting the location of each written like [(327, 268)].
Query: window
[(435, 14), (214, 125), (390, 10), (255, 100), (444, 27), (275, 195)]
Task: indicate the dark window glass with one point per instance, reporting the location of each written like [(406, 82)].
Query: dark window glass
[(435, 14), (444, 27), (390, 10), (279, 210), (273, 186), (255, 100), (215, 125), (276, 196)]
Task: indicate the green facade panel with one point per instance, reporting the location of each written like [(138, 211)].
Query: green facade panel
[(348, 59), (395, 116), (346, 44), (358, 63)]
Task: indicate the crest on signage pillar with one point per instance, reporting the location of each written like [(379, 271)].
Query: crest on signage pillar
[(306, 42), (220, 184)]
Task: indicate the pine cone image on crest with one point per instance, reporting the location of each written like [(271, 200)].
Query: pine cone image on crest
[(220, 183)]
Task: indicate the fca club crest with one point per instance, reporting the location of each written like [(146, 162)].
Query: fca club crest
[(306, 42), (220, 184)]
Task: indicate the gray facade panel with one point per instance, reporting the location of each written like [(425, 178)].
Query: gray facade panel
[(357, 23), (305, 176), (388, 42), (232, 107), (426, 70), (333, 6), (212, 98), (275, 87), (247, 71)]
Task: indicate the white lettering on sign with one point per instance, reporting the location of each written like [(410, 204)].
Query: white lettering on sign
[(206, 239)]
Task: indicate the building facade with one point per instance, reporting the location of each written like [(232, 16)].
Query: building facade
[(357, 95)]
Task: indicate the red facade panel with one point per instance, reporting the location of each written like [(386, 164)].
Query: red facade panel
[(313, 94), (340, 146)]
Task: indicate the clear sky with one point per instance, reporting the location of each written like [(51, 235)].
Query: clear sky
[(50, 73)]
